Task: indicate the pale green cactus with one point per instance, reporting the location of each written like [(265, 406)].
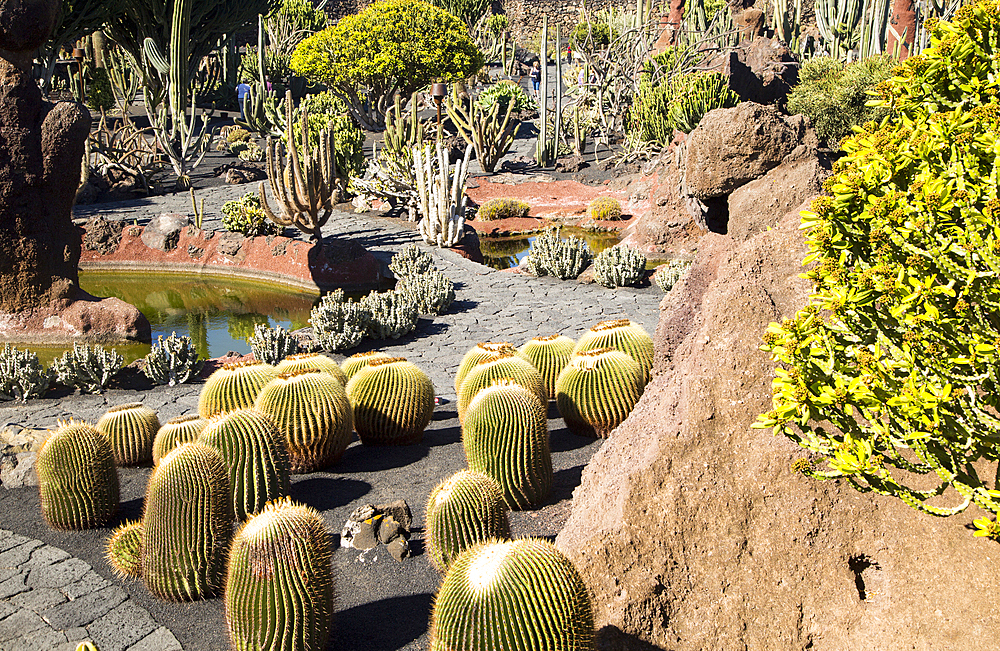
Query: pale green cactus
[(130, 429), (597, 390), (465, 509), (77, 477), (123, 550)]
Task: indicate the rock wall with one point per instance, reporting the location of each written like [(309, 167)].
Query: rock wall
[(692, 531)]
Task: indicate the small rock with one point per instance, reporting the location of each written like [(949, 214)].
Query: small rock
[(366, 538), (398, 511), (230, 244), (164, 231), (399, 549), (388, 529), (571, 164), (307, 339), (353, 525)]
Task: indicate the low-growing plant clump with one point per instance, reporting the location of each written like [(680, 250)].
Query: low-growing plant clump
[(503, 208)]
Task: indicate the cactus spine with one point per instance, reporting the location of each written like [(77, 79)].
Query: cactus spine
[(186, 522), (624, 335), (476, 354), (255, 452), (357, 361), (130, 429), (124, 550), (517, 595), (312, 362), (234, 386), (279, 585), (506, 436), (549, 355), (597, 390), (500, 366), (313, 413), (393, 402), (174, 432), (465, 509), (77, 478)]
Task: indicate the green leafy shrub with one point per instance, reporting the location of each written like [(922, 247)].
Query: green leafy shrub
[(834, 95), (591, 36), (392, 46), (245, 215), (890, 371), (497, 24), (100, 96), (502, 93), (237, 134), (678, 102), (605, 209), (468, 11), (326, 110), (503, 208)]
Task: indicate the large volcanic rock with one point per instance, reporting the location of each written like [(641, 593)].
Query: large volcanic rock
[(692, 531)]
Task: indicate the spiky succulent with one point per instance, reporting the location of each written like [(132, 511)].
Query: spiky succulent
[(357, 361), (339, 324), (668, 275), (187, 521), (77, 478), (22, 376), (271, 345), (597, 390), (172, 361), (279, 585), (311, 362), (553, 256), (123, 550), (549, 354), (502, 365), (390, 314), (234, 386), (393, 402), (182, 429), (476, 354), (89, 369), (131, 429), (431, 292), (619, 266), (311, 410), (463, 510), (255, 453), (624, 335), (518, 595), (411, 260), (506, 437)]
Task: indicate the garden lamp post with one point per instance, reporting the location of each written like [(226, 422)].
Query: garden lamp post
[(79, 53), (439, 91)]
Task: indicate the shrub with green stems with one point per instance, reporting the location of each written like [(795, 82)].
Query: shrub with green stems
[(890, 371), (592, 36), (834, 95), (678, 102), (326, 110), (503, 208), (245, 215)]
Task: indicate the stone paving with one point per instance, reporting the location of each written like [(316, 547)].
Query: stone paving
[(49, 599)]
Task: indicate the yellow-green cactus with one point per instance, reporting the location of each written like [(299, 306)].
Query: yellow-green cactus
[(465, 509), (124, 550), (357, 361), (234, 386), (597, 390), (505, 364), (175, 431), (549, 354), (77, 477), (131, 429), (255, 453), (311, 362), (518, 595), (476, 354), (624, 335), (313, 413), (506, 437), (393, 402)]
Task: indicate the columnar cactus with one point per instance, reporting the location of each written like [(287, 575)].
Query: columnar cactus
[(506, 437), (312, 362), (279, 585), (182, 429), (597, 390), (234, 386), (518, 595), (500, 366), (255, 453), (549, 355), (393, 402), (476, 354), (77, 478), (124, 550), (465, 509), (624, 335), (357, 361), (313, 413), (131, 429), (187, 521)]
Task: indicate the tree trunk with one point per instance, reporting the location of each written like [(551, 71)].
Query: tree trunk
[(902, 27)]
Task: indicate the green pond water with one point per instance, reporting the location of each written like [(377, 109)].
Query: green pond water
[(507, 252)]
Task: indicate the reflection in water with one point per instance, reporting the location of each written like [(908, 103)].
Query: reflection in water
[(507, 252)]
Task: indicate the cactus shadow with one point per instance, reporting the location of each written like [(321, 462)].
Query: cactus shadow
[(384, 625), (361, 458), (563, 483), (326, 493), (612, 637), (563, 440), (442, 436)]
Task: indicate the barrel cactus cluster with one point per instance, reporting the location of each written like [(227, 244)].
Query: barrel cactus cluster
[(597, 390), (464, 509)]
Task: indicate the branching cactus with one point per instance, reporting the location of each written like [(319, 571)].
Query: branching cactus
[(172, 361), (279, 585), (21, 374), (485, 601), (465, 509), (621, 334), (234, 386), (311, 410), (441, 195), (131, 429), (551, 255), (390, 314), (123, 550), (550, 355), (619, 266), (393, 402), (502, 365), (306, 184), (187, 521), (255, 453), (271, 345), (478, 353), (411, 261), (431, 292), (597, 390), (339, 323), (89, 369), (174, 432), (357, 361), (311, 362), (77, 478), (484, 129), (506, 436)]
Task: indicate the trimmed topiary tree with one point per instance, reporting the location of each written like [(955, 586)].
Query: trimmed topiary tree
[(130, 429), (393, 402), (549, 354), (624, 335), (597, 390), (234, 386), (465, 509), (77, 478), (518, 595), (174, 432)]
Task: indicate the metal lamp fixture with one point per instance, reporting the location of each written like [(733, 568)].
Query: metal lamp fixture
[(439, 91)]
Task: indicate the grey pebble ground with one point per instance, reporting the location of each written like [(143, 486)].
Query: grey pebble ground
[(56, 588)]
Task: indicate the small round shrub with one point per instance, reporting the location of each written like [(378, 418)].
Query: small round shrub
[(245, 215), (239, 134), (592, 36), (605, 209), (503, 208), (100, 96), (252, 153)]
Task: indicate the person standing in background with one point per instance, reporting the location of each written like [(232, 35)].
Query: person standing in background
[(536, 77), (241, 94)]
